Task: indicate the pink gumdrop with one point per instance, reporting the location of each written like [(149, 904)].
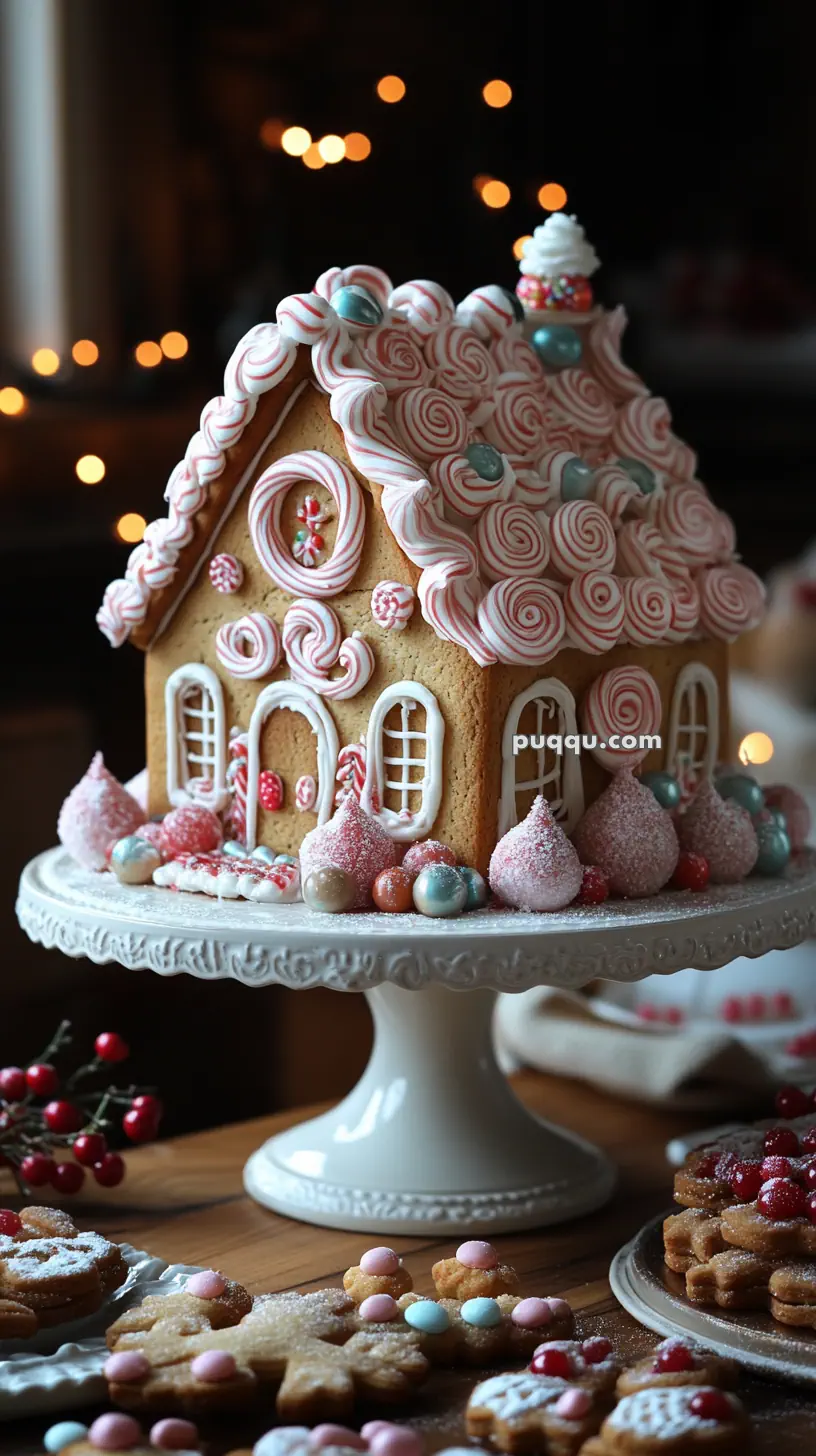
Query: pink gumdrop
[(378, 1307), (560, 1308), (395, 1441), (529, 1314), (573, 1404), (174, 1435), (476, 1254), (212, 1366), (429, 851), (330, 1435), (114, 1432), (207, 1285), (380, 1261), (127, 1366)]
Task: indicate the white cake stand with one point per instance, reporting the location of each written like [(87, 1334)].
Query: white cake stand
[(431, 1140)]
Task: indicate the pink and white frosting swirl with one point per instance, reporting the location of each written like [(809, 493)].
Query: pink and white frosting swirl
[(643, 432), (583, 404), (511, 542), (517, 423), (522, 620), (394, 356), (624, 700), (392, 605), (226, 573), (513, 355), (685, 609), (266, 504), (732, 601), (532, 490), (551, 468), (647, 610), (643, 551), (558, 435), (424, 304), (690, 523), (360, 275), (616, 493), (249, 648), (465, 492), (604, 350), (581, 539), (430, 423), (313, 644), (593, 607), (463, 368), (489, 312)]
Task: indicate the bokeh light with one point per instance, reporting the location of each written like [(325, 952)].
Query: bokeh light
[(480, 181), (358, 146), (12, 401), (756, 748), (390, 88), (85, 352), (311, 158), (497, 94), (296, 140), (130, 527), (45, 361), (90, 469), (495, 193), (332, 148), (173, 344), (552, 196), (271, 133), (518, 246), (148, 354)]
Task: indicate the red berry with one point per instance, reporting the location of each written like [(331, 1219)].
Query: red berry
[(42, 1079), (13, 1084), (810, 1176), (647, 1011), (596, 1349), (110, 1171), (67, 1177), (782, 1140), (746, 1180), (808, 1140), (810, 1207), (316, 541), (792, 1102), (140, 1125), (594, 887), (711, 1405), (776, 1168), (89, 1148), (10, 1222), (783, 1004), (733, 1009), (146, 1102), (36, 1170), (673, 1358), (756, 1007), (111, 1047), (782, 1198), (549, 1360), (192, 829), (692, 872), (62, 1117), (707, 1166)]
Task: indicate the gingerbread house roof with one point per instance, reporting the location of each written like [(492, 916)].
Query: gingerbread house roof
[(540, 491)]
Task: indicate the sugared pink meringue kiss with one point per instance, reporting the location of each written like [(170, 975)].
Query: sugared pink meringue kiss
[(534, 866)]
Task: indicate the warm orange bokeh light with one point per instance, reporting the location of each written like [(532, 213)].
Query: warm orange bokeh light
[(90, 469), (358, 147), (45, 361), (332, 148), (497, 93), (480, 181), (756, 748), (173, 344), (391, 88), (495, 194), (130, 527), (552, 196), (296, 140), (311, 158), (85, 352), (271, 133), (148, 354), (518, 246), (12, 401)]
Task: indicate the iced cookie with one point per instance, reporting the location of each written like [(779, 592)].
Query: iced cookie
[(590, 1363), (521, 1413), (475, 1271), (678, 1362), (50, 1273), (673, 1421), (380, 1271)]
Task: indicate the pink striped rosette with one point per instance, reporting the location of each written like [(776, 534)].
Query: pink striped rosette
[(593, 608), (685, 609), (511, 542), (522, 620), (624, 700), (583, 403), (273, 551), (732, 601), (690, 523), (581, 539), (647, 610), (429, 423)]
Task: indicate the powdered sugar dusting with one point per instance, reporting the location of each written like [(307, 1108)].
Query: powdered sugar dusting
[(534, 866), (663, 1412), (511, 1396), (629, 836)]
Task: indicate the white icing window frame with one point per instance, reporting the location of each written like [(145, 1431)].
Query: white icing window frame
[(299, 699), (694, 675), (196, 674), (409, 696), (570, 780)]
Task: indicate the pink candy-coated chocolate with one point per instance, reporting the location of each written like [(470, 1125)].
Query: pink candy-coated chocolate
[(428, 851), (534, 866), (212, 1366), (477, 1254), (127, 1366), (395, 1441), (370, 1429), (172, 1434), (627, 834), (573, 1405), (98, 811), (114, 1432), (380, 1261), (378, 1307), (331, 1435), (530, 1314), (206, 1285), (560, 1308)]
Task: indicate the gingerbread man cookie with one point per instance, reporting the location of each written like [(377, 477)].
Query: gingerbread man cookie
[(526, 1412), (590, 1363), (51, 1273), (690, 1238), (380, 1271), (118, 1432), (733, 1279), (475, 1272), (678, 1362), (673, 1421)]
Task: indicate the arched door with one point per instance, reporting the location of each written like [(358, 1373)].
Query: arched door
[(299, 699)]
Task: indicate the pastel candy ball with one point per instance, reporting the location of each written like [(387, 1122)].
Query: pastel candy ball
[(212, 1366), (114, 1432), (370, 1429), (573, 1405), (133, 860), (330, 890), (640, 473), (557, 346), (485, 460), (63, 1434), (380, 1261), (774, 849), (795, 809), (127, 1366), (378, 1307), (439, 891), (483, 1313), (328, 1434), (395, 1441), (577, 480), (264, 854), (560, 1308), (477, 1254), (235, 848), (476, 887), (428, 851), (744, 790), (206, 1285), (531, 1314), (356, 305), (427, 1316), (664, 786), (285, 859), (174, 1435)]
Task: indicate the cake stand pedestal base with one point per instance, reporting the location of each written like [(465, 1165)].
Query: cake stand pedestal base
[(431, 1139)]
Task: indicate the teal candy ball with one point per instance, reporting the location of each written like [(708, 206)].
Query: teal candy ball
[(639, 472), (483, 1313), (665, 788), (285, 859), (779, 818), (558, 346), (774, 849), (744, 790), (515, 303), (486, 460), (232, 846), (63, 1434), (133, 860), (476, 887), (264, 854), (428, 1316), (440, 890), (356, 305), (576, 479)]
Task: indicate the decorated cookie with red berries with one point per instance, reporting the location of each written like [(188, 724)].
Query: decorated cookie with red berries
[(592, 1363), (50, 1273), (526, 1412), (780, 1223), (678, 1362), (673, 1421), (734, 1168)]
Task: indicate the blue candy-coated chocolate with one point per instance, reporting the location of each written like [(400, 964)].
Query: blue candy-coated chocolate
[(558, 346), (63, 1434), (265, 855), (779, 817), (440, 890), (638, 471), (664, 786), (744, 790), (577, 479), (285, 859), (476, 887), (428, 1316), (774, 848), (356, 305), (232, 846), (485, 459), (483, 1313)]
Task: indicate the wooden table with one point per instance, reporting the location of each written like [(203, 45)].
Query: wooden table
[(184, 1201)]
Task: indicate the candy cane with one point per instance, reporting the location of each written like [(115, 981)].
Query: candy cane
[(265, 506), (249, 648), (313, 646), (237, 774), (351, 771)]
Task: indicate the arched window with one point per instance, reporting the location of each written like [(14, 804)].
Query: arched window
[(403, 785), (299, 699), (545, 708), (694, 726), (196, 737)]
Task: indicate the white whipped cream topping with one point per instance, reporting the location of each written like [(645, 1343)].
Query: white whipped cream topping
[(559, 246)]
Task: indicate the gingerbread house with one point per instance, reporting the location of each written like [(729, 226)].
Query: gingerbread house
[(410, 546)]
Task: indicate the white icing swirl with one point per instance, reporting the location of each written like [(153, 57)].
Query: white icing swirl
[(647, 610), (624, 700), (465, 492), (249, 648), (732, 601), (604, 341), (581, 539), (559, 248), (583, 404), (266, 504), (430, 423), (594, 610)]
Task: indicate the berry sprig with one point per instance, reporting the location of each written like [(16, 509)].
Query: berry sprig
[(43, 1115)]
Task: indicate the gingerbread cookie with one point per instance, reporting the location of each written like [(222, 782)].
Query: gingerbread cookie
[(673, 1421), (792, 1295), (591, 1363), (527, 1412), (50, 1273), (475, 1272), (777, 1226), (715, 1176), (479, 1331), (678, 1362), (118, 1432), (733, 1279), (690, 1238), (380, 1271)]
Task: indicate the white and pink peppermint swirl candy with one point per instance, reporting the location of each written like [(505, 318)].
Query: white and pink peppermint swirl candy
[(429, 423), (518, 421), (511, 542), (226, 573), (265, 507), (643, 551), (490, 312), (624, 700), (513, 355), (647, 610), (249, 648), (313, 643), (259, 361), (392, 605), (522, 620), (361, 275), (593, 607), (728, 537), (690, 523), (616, 493), (533, 490), (732, 601), (558, 435), (463, 490), (552, 465), (426, 305), (583, 404), (393, 355), (604, 351), (685, 609), (643, 432), (305, 793), (463, 368), (581, 539)]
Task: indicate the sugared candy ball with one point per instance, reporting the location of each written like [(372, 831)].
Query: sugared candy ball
[(482, 1313), (574, 1404), (476, 887), (192, 829), (428, 851), (114, 1432), (98, 812), (692, 872), (427, 1316), (133, 860), (331, 890), (127, 1367), (213, 1366), (380, 1260), (357, 305), (393, 891), (722, 832), (289, 859), (394, 1441), (439, 890), (577, 480), (352, 841), (206, 1284), (795, 809), (379, 1308), (173, 1434), (779, 818), (151, 832), (328, 1434), (63, 1434), (594, 887), (774, 848), (558, 346), (640, 473), (485, 460), (627, 834), (743, 790), (477, 1254), (534, 866), (664, 786)]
